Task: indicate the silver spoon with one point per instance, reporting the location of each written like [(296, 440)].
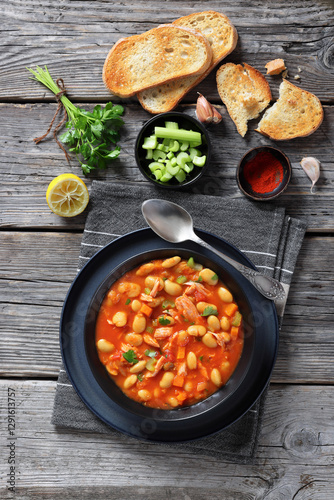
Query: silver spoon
[(173, 223)]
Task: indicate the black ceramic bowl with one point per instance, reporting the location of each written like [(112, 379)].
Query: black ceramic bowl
[(91, 381), (246, 188), (186, 122)]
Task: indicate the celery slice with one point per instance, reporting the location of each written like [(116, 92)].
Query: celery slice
[(199, 161), (154, 165), (180, 176), (149, 154), (159, 154), (150, 142), (173, 125), (194, 152), (178, 134), (184, 145), (174, 147), (182, 158)]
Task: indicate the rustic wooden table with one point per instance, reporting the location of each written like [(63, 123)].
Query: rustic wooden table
[(39, 253)]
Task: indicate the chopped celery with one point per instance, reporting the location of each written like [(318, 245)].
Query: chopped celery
[(166, 177), (172, 170), (184, 146), (181, 279), (180, 176), (174, 147), (171, 125), (159, 154), (157, 174), (154, 165), (193, 265), (178, 134), (182, 158), (194, 152), (150, 142), (199, 161), (237, 319), (173, 152), (188, 167)]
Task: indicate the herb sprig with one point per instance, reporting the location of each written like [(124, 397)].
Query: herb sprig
[(90, 135)]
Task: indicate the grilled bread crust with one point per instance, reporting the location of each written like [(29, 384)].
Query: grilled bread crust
[(157, 56), (297, 113), (222, 37)]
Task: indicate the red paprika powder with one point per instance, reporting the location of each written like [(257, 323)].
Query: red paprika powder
[(263, 173)]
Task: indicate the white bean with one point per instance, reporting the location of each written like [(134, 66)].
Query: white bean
[(216, 377), (166, 380), (191, 360), (225, 295), (209, 276), (129, 381), (196, 330), (171, 262), (135, 305), (138, 367), (213, 323), (139, 323), (105, 346), (202, 305), (225, 324), (119, 319), (209, 340), (172, 288), (144, 394)]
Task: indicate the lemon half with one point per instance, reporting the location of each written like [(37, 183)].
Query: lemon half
[(67, 195)]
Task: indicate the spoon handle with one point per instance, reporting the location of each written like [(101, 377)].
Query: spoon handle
[(268, 287)]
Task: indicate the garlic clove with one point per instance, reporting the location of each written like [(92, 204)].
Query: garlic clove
[(217, 117), (311, 167), (204, 109)]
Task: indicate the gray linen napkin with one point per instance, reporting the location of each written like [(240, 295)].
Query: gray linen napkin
[(263, 232)]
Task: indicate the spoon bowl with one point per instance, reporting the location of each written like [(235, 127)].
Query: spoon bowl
[(174, 224)]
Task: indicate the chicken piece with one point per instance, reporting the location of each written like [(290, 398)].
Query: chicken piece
[(188, 309)]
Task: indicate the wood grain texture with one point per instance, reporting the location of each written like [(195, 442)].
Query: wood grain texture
[(293, 460), (32, 292), (75, 41), (27, 169)]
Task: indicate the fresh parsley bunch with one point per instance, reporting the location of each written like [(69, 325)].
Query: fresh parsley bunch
[(89, 135)]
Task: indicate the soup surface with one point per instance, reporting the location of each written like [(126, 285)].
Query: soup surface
[(169, 333)]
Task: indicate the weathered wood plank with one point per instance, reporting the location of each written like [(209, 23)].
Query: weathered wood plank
[(32, 291), (294, 455), (27, 169), (74, 41)]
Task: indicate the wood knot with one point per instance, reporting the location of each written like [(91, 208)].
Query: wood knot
[(326, 55), (301, 443)]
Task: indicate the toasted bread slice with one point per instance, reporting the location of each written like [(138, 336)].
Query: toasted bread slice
[(156, 56), (244, 91), (222, 37), (297, 113)]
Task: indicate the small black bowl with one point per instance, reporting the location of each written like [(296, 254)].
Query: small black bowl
[(246, 188), (186, 122)]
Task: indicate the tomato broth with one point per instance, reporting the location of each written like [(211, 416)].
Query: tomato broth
[(169, 333)]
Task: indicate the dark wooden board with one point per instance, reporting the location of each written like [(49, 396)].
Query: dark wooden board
[(293, 460), (74, 42), (26, 168)]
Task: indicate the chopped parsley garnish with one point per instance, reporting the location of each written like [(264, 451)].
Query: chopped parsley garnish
[(130, 356), (164, 321), (140, 377), (127, 302), (210, 310), (201, 358)]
